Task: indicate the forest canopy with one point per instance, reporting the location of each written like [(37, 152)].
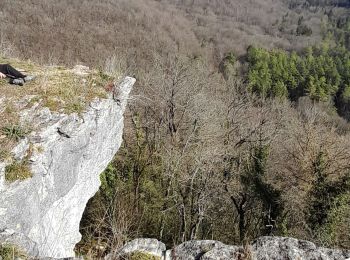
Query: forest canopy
[(322, 73)]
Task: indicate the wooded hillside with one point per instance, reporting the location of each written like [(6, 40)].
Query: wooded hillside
[(237, 127)]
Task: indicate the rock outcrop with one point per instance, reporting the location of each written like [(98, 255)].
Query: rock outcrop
[(203, 249), (291, 248), (264, 248), (148, 245), (42, 214)]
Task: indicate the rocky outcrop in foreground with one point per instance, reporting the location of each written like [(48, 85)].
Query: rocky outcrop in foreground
[(41, 214), (264, 248)]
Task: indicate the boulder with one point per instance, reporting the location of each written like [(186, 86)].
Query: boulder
[(146, 245), (275, 248), (193, 249)]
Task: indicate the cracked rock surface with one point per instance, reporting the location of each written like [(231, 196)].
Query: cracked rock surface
[(264, 248), (66, 156)]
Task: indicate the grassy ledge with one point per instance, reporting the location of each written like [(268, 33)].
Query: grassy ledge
[(60, 89), (56, 87)]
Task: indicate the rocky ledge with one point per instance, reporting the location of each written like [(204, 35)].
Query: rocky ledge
[(41, 214), (264, 248)]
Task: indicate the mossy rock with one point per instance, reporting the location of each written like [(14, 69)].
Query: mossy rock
[(142, 256)]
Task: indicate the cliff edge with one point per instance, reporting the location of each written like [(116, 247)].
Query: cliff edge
[(47, 178)]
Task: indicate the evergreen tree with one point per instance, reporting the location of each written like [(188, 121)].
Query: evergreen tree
[(324, 194), (254, 181)]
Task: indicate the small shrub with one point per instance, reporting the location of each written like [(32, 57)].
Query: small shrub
[(17, 171), (13, 132), (303, 29), (102, 75), (10, 252)]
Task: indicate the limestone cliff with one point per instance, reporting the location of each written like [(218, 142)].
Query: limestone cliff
[(65, 154)]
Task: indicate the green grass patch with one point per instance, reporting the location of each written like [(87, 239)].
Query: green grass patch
[(142, 256), (17, 171)]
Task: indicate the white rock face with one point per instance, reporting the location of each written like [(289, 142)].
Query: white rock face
[(42, 214)]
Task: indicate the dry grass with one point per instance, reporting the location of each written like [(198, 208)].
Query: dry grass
[(56, 87)]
